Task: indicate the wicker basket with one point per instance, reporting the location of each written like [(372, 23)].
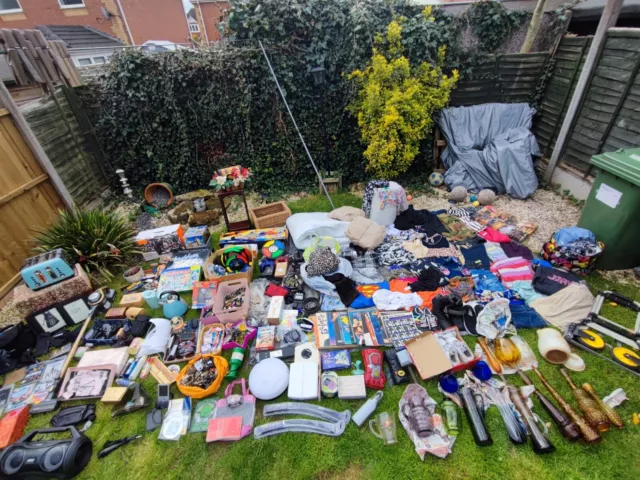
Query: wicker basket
[(271, 215)]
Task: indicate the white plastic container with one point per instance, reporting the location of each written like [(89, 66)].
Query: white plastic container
[(386, 215)]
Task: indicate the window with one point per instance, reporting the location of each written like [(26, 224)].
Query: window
[(90, 61), (71, 3), (194, 28), (10, 6)]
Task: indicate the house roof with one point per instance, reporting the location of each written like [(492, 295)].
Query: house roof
[(592, 9), (458, 6), (79, 36)]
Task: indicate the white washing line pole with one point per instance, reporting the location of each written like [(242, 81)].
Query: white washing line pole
[(126, 24), (607, 20), (273, 74)]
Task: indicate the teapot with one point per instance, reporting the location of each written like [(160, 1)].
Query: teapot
[(172, 304)]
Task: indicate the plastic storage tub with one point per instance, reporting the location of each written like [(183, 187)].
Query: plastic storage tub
[(231, 314)]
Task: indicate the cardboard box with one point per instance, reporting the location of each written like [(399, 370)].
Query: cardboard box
[(427, 355), (210, 274), (131, 300), (179, 279), (114, 394), (116, 312), (275, 310), (160, 241), (196, 237), (462, 366), (259, 236), (12, 426)]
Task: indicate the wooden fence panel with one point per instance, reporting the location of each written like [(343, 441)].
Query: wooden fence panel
[(608, 115), (64, 141), (569, 60), (508, 78), (28, 201)]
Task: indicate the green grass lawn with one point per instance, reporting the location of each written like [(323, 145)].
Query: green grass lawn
[(358, 454)]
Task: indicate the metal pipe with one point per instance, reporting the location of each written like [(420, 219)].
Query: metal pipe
[(273, 74), (126, 24), (204, 25)]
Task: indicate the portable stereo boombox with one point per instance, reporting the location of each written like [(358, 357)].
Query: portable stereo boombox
[(46, 269), (29, 458)]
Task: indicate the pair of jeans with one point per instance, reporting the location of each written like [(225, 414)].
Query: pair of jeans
[(523, 316)]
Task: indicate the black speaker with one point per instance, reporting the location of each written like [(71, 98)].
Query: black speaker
[(46, 458)]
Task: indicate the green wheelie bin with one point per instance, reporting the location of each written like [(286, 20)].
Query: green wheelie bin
[(612, 210)]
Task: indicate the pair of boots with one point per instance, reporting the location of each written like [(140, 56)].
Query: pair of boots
[(450, 312)]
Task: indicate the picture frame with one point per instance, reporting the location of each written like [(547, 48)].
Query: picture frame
[(86, 383), (75, 310), (47, 320)]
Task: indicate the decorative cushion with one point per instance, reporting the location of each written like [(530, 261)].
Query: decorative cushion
[(346, 214), (366, 233)]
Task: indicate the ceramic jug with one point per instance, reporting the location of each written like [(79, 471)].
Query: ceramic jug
[(552, 346)]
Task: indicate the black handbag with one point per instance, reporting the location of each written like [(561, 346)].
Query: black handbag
[(75, 415)]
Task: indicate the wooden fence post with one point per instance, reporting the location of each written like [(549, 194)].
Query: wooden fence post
[(607, 20)]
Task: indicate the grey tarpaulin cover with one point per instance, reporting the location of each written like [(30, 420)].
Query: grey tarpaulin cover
[(490, 146)]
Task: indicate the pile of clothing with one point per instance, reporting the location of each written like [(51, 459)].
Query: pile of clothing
[(448, 267)]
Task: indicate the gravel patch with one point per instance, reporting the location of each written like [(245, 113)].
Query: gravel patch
[(545, 208)]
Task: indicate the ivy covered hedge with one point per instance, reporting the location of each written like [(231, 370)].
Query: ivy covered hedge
[(176, 117)]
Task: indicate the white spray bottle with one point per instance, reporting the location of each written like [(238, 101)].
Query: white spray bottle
[(367, 409)]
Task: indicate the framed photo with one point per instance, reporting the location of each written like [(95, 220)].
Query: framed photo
[(75, 310), (47, 321)]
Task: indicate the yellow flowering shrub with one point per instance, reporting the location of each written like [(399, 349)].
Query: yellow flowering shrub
[(396, 102)]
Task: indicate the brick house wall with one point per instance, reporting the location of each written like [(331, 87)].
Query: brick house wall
[(211, 13), (49, 12), (147, 19), (156, 20)]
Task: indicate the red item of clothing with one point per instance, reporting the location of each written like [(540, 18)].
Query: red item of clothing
[(493, 235)]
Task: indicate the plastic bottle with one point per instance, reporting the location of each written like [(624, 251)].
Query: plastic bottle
[(367, 409), (451, 417), (235, 364)]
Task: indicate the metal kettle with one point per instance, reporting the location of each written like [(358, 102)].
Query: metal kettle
[(172, 304)]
